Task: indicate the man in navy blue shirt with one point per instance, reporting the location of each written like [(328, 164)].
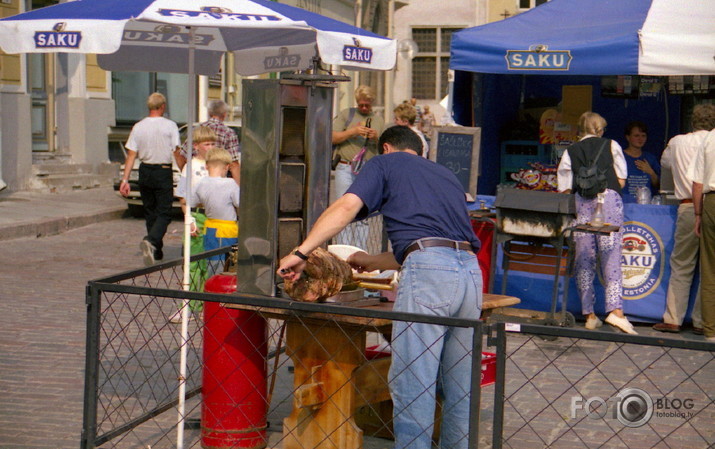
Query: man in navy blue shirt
[(424, 211)]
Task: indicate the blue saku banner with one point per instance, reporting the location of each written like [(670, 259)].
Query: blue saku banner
[(645, 262)]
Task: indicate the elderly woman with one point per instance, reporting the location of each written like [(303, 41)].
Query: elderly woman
[(613, 165), (405, 115)]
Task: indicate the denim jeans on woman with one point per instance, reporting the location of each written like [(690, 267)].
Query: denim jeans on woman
[(438, 282)]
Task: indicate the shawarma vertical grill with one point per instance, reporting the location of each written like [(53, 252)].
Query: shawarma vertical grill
[(285, 171)]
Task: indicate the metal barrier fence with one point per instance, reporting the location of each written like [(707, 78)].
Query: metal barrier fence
[(576, 388), (322, 376), (366, 234), (318, 380)]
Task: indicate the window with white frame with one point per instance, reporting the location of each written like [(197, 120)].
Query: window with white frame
[(528, 4), (431, 63)]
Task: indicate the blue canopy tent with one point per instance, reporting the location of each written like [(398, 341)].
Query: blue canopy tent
[(503, 69), (505, 66)]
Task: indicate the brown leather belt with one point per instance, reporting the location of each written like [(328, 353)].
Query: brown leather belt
[(688, 201), (432, 242)]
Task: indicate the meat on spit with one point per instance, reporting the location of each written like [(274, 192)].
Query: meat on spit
[(324, 276)]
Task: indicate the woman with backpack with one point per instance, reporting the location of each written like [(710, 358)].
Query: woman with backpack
[(593, 167)]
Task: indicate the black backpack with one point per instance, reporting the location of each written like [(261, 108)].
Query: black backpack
[(589, 180)]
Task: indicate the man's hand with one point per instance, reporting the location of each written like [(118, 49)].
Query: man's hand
[(371, 134), (235, 169), (363, 261), (179, 158), (363, 131), (128, 166), (697, 193), (360, 261), (291, 267), (331, 221), (698, 225), (124, 188)]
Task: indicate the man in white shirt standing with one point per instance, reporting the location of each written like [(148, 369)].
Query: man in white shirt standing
[(678, 156), (702, 172), (153, 140)]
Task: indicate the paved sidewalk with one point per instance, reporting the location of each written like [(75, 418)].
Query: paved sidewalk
[(43, 321), (38, 214)]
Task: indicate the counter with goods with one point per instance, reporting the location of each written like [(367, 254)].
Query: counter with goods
[(647, 244)]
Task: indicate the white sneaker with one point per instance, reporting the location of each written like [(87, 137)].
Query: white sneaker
[(175, 318), (621, 323), (593, 323), (148, 252)]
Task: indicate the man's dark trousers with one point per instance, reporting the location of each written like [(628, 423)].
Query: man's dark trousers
[(156, 186)]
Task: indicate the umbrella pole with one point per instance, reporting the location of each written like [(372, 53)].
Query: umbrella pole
[(187, 245)]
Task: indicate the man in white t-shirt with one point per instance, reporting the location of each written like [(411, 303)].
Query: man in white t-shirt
[(153, 140), (702, 172), (678, 157)]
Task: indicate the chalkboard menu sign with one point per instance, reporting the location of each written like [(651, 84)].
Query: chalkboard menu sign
[(457, 148)]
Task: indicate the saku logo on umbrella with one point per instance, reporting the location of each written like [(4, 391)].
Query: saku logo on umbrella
[(216, 12), (168, 34), (154, 36), (357, 53), (281, 61), (58, 37)]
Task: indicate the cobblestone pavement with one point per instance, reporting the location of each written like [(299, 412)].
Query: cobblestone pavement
[(42, 325), (42, 332)]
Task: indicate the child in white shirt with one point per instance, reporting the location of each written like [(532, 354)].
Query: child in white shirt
[(220, 197)]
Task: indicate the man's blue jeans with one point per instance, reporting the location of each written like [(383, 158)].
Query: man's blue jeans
[(440, 282)]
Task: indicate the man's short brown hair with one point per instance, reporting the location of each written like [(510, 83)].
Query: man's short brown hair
[(704, 117)]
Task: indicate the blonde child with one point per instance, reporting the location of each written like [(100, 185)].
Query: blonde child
[(204, 139), (220, 197)]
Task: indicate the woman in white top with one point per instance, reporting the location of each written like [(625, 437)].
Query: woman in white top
[(611, 165)]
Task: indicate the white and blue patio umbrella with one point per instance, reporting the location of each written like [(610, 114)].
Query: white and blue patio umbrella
[(191, 36), (152, 35), (594, 37)]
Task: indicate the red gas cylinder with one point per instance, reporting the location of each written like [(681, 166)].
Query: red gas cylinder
[(233, 413)]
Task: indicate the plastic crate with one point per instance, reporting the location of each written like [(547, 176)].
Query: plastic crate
[(374, 352), (489, 368)]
